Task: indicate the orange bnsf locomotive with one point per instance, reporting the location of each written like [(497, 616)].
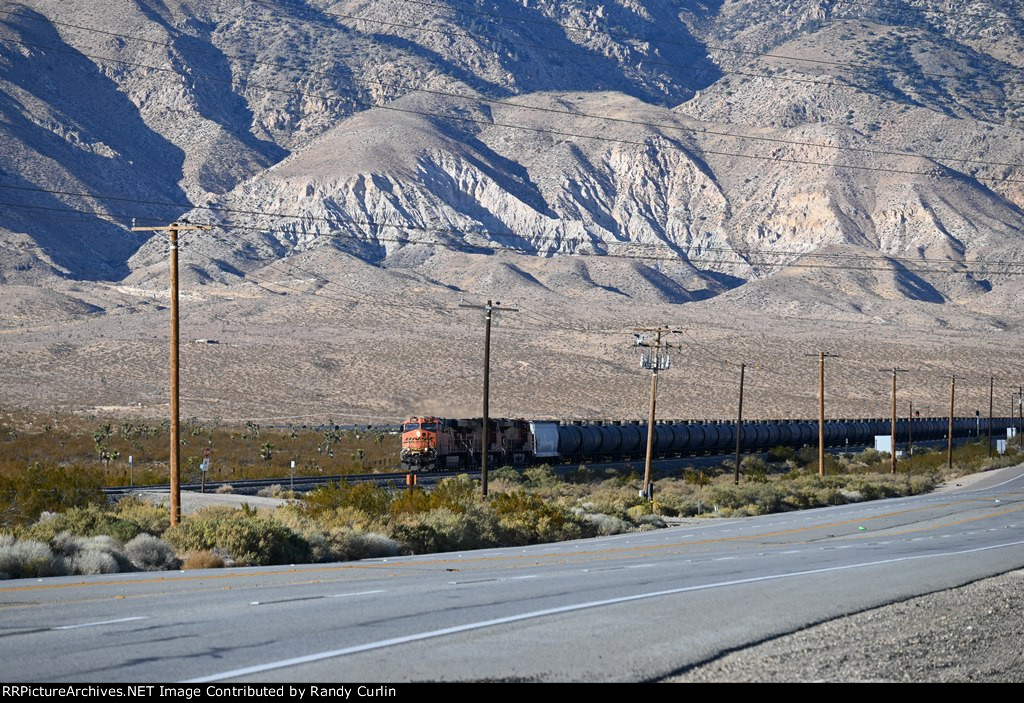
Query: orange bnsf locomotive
[(438, 443)]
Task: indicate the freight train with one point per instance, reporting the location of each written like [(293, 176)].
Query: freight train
[(430, 443)]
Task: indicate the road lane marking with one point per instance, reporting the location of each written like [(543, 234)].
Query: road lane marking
[(1011, 480), (100, 622), (532, 615), (494, 580), (298, 599), (357, 593)]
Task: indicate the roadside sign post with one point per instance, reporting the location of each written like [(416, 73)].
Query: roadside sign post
[(203, 468)]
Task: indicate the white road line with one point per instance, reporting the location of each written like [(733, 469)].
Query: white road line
[(492, 580), (101, 622), (468, 627), (358, 593), (1011, 480)]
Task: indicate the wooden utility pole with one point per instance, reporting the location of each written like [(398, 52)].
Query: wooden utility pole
[(175, 440), (1020, 416), (739, 425), (821, 409), (910, 430), (655, 360), (949, 445), (892, 468), (488, 309), (991, 391)]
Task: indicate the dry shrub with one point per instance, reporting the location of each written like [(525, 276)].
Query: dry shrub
[(203, 559), (272, 491), (226, 488), (26, 559), (348, 545), (149, 553), (608, 524), (99, 554)]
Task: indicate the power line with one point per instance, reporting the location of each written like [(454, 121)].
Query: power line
[(672, 254)]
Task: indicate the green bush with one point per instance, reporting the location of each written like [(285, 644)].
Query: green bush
[(410, 502), (365, 497), (507, 474), (250, 537), (151, 519), (754, 469), (539, 476), (89, 521), (457, 494), (781, 455), (443, 530), (528, 519), (25, 495)]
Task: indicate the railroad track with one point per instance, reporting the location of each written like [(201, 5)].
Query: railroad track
[(396, 479)]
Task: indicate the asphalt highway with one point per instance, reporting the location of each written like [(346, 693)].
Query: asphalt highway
[(629, 607)]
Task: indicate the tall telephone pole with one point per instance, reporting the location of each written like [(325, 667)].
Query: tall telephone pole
[(991, 391), (895, 371), (655, 359), (739, 425), (910, 430), (821, 408), (174, 459), (1020, 416), (949, 445), (489, 308)]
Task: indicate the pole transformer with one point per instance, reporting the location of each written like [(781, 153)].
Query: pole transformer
[(655, 359)]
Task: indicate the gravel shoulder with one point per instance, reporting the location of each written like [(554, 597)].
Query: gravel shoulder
[(966, 634)]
